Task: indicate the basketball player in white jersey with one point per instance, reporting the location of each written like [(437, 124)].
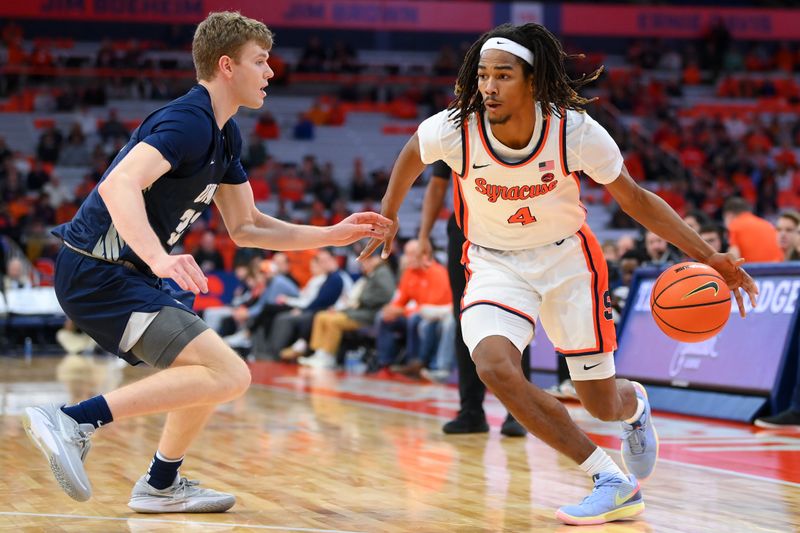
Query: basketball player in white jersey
[(518, 138)]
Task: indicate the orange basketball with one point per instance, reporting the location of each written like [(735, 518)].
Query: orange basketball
[(690, 302)]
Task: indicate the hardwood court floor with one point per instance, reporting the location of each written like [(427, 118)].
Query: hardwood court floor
[(317, 451)]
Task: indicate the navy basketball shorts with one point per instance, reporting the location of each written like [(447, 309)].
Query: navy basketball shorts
[(120, 308)]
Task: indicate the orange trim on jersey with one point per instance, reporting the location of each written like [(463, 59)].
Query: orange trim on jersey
[(467, 270), (501, 306), (538, 149), (605, 335), (465, 150), (462, 215)]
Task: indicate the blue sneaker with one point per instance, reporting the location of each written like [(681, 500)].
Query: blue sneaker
[(640, 441), (613, 498)]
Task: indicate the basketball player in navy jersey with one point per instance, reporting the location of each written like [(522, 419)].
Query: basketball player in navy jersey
[(517, 137), (110, 271)]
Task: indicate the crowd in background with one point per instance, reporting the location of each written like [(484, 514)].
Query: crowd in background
[(280, 300)]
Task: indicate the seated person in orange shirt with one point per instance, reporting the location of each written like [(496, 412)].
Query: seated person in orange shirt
[(750, 236), (423, 283)]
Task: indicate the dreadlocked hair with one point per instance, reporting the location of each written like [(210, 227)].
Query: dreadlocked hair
[(552, 86)]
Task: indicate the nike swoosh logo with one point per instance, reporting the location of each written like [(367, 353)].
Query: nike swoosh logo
[(619, 501), (480, 166), (713, 285), (589, 367)]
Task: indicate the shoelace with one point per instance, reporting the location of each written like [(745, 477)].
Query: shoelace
[(184, 486), (601, 486), (636, 440), (83, 439)]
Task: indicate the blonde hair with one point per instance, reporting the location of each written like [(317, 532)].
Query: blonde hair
[(224, 34)]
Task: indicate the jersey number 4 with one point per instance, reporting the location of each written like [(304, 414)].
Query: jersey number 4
[(522, 216)]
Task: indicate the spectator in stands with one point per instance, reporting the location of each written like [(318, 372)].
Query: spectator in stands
[(751, 237), (326, 190), (360, 188), (696, 219), (304, 128), (289, 326), (261, 325), (788, 227), (207, 255), (276, 286), (309, 171), (628, 263), (339, 211), (317, 215), (113, 129), (75, 152), (659, 252), (343, 58), (37, 177), (49, 146), (372, 291), (57, 191), (291, 187), (16, 275), (106, 55), (256, 154), (714, 235), (423, 282), (267, 126), (313, 56)]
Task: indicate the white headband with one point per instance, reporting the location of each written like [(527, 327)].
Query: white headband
[(506, 45)]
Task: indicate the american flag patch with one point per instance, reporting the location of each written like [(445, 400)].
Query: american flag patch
[(544, 166)]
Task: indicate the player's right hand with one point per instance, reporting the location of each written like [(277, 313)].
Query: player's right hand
[(183, 270), (387, 240)]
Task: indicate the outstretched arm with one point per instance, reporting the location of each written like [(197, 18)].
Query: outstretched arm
[(657, 216), (406, 170), (250, 227)]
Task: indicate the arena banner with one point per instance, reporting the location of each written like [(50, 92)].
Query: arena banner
[(677, 22), (748, 355), (525, 12), (382, 15)]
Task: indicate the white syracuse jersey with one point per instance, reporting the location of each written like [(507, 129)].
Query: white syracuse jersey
[(516, 206)]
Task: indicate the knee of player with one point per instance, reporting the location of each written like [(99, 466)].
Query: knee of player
[(235, 380), (493, 370)]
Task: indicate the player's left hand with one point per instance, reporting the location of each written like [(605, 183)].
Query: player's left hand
[(737, 279), (386, 240), (360, 225)]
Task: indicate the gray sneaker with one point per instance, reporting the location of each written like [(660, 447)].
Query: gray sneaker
[(64, 443), (184, 496)]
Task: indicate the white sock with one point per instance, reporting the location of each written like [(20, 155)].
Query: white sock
[(638, 414), (600, 462), (322, 354), (162, 458)]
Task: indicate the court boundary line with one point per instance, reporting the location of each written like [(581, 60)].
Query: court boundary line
[(182, 522), (616, 450)]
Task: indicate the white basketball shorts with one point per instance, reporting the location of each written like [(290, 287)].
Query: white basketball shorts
[(564, 283)]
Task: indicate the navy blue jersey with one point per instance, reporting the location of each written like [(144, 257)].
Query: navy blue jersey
[(201, 156)]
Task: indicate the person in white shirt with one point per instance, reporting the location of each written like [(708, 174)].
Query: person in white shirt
[(517, 137)]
